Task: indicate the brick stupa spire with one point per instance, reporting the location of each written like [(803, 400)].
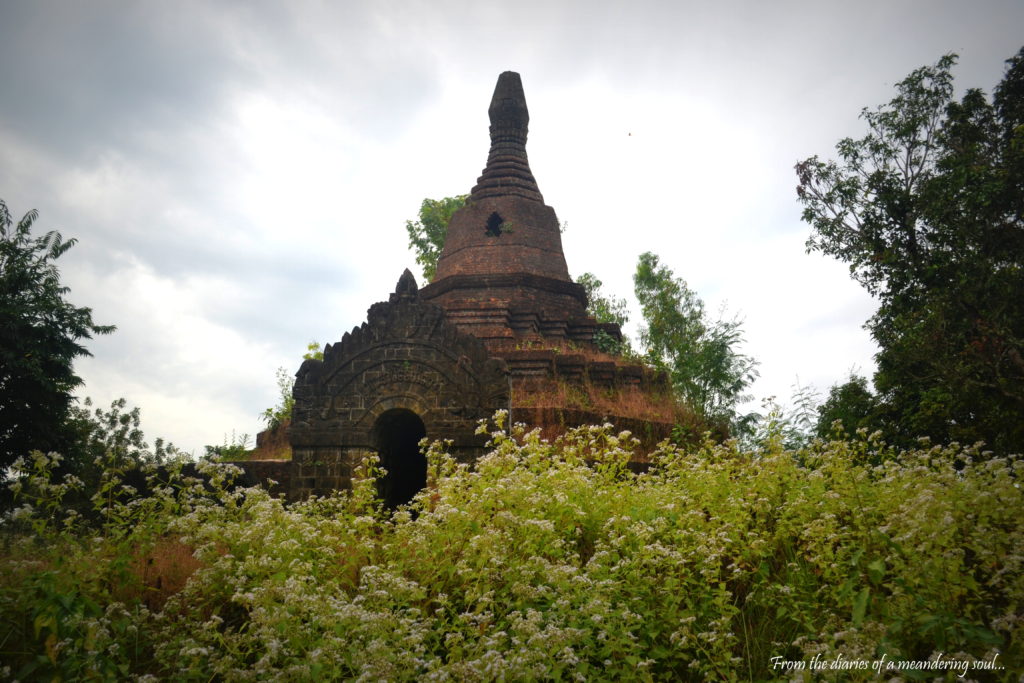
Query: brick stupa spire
[(502, 269), (508, 169), (505, 227), (502, 278)]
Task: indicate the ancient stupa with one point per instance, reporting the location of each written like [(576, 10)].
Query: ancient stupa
[(502, 326)]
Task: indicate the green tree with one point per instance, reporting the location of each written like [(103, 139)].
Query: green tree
[(852, 404), (700, 354), (115, 436), (789, 427), (109, 455), (41, 334), (928, 211), (606, 309), (426, 236)]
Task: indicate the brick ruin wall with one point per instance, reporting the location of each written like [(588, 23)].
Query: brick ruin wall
[(405, 358)]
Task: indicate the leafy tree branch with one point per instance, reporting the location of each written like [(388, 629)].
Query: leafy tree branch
[(927, 209), (41, 335), (426, 235)]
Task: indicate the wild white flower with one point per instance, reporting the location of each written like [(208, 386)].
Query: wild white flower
[(23, 511)]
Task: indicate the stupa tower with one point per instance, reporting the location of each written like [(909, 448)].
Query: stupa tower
[(502, 327), (502, 273), (502, 278)]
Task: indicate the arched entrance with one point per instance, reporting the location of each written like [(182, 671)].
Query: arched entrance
[(396, 436)]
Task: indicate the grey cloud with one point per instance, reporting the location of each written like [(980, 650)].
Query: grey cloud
[(81, 77)]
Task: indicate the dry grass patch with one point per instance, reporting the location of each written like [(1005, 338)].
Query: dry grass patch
[(163, 571)]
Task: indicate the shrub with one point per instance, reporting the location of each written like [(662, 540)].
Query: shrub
[(551, 560)]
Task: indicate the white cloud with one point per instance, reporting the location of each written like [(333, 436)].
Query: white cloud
[(188, 372)]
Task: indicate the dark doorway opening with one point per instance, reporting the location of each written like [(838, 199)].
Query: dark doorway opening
[(396, 435)]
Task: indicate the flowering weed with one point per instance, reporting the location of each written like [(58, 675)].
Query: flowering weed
[(542, 561)]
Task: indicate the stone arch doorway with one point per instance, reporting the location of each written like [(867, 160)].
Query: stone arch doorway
[(396, 436)]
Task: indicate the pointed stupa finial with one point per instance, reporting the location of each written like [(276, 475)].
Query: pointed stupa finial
[(508, 113), (508, 169), (406, 287)]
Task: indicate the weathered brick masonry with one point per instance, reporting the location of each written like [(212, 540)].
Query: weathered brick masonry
[(501, 323), (406, 373)]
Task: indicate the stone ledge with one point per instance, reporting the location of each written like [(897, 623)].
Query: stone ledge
[(524, 280)]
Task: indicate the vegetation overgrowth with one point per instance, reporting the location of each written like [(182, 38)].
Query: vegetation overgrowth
[(683, 423), (927, 210), (544, 561)]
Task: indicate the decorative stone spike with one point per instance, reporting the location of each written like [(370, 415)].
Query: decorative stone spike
[(406, 287), (508, 169)]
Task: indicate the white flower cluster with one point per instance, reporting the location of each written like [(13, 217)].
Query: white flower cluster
[(554, 561)]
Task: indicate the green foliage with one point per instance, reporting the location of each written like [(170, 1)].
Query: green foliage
[(113, 438), (71, 594), (928, 210), (699, 353), (852, 406), (282, 412), (546, 561), (313, 351), (790, 428), (108, 453), (606, 309), (426, 236), (233, 450), (40, 337)]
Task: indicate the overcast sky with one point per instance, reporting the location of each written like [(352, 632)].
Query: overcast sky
[(238, 174)]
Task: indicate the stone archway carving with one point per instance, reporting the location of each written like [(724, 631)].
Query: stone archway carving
[(406, 356)]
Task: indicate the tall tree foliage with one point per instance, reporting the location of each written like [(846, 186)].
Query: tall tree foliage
[(699, 353), (426, 236), (852, 405), (41, 335), (605, 309), (928, 211)]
